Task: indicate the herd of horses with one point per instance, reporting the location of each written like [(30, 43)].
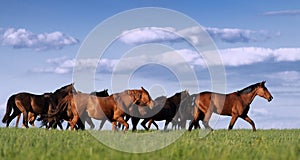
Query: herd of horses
[(75, 107)]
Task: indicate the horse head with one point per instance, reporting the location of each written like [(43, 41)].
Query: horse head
[(262, 91), (103, 93), (142, 97), (184, 94)]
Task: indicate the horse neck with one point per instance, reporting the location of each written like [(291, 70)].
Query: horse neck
[(249, 97), (175, 100)]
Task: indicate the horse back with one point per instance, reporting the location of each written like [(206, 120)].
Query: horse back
[(220, 103)]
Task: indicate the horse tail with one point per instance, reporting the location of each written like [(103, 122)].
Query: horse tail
[(56, 112), (10, 104)]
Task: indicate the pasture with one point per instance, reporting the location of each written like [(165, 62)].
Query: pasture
[(33, 143)]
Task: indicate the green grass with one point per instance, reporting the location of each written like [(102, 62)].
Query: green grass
[(221, 144)]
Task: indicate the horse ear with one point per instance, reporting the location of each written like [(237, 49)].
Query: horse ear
[(263, 82)]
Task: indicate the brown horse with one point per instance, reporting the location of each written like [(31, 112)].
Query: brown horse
[(112, 108), (103, 93), (37, 104), (80, 124), (236, 104), (169, 108), (186, 112)]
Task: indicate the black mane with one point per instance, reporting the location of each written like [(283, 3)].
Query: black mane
[(248, 89)]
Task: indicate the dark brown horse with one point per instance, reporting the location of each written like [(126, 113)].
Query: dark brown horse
[(167, 109), (37, 104), (112, 108), (236, 104)]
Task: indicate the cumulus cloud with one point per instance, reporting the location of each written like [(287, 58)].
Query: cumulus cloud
[(195, 34), (282, 13), (233, 57), (148, 35), (64, 65), (23, 38)]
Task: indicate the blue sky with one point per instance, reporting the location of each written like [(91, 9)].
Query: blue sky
[(257, 40)]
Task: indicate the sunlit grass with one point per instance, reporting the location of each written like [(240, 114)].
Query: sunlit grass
[(221, 144)]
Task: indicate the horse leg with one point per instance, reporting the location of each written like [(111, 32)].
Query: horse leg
[(150, 121), (60, 125), (144, 124), (249, 120), (74, 121), (166, 125), (15, 113), (195, 119), (114, 125), (155, 124), (102, 124), (207, 118), (18, 119), (25, 113), (127, 117), (25, 119), (90, 122), (123, 122), (31, 118), (134, 122), (232, 121)]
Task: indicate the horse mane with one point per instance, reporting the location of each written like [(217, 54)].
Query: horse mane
[(248, 89), (63, 87)]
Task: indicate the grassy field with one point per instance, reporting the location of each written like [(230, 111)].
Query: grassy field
[(221, 144)]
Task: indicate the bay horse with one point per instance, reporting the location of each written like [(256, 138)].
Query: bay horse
[(103, 93), (80, 125), (112, 108), (36, 104), (169, 108), (236, 104)]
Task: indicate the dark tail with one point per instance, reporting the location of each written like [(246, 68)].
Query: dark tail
[(57, 111), (10, 104)]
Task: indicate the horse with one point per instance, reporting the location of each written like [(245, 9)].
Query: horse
[(186, 112), (236, 104), (36, 104), (103, 93), (169, 108), (112, 108)]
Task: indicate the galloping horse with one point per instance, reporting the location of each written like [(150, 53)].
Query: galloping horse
[(36, 104), (236, 104), (81, 122), (113, 107), (103, 93), (168, 111), (186, 111)]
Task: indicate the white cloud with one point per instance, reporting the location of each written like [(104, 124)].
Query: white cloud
[(148, 35), (195, 34), (244, 56), (63, 65), (250, 55), (230, 57), (282, 13), (287, 54), (22, 38)]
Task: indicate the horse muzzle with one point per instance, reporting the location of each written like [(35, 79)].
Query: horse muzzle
[(270, 99)]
